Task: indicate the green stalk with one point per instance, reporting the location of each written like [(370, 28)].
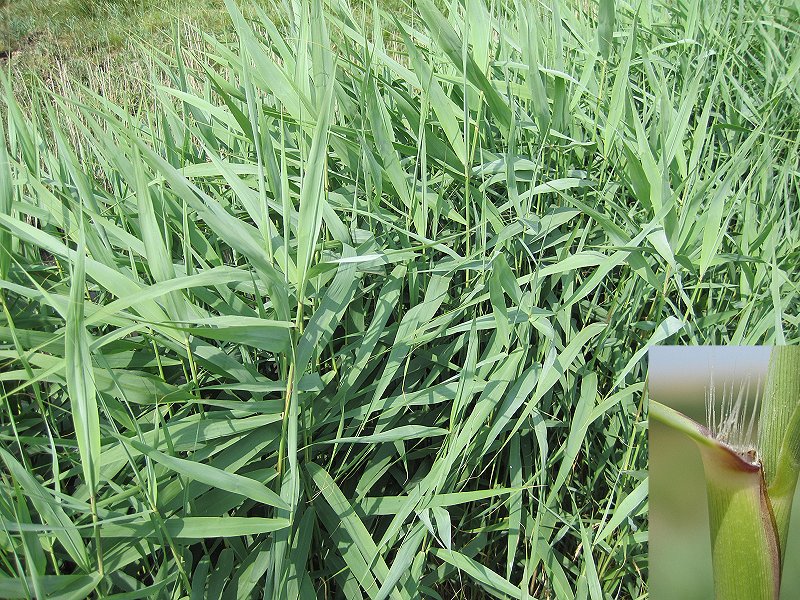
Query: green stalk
[(779, 434), (750, 491), (744, 544)]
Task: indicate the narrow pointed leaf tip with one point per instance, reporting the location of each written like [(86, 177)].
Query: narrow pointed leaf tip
[(79, 373)]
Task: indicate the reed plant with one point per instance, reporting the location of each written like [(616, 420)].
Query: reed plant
[(358, 307)]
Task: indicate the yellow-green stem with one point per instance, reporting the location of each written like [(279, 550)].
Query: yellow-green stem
[(744, 540), (779, 435)]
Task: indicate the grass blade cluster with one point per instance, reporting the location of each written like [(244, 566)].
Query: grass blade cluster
[(354, 312)]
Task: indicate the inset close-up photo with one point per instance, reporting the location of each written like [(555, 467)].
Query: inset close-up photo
[(724, 446)]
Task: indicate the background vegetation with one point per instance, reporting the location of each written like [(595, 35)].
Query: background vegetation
[(354, 307), (103, 44)]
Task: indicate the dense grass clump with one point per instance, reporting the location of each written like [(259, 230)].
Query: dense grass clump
[(352, 314)]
